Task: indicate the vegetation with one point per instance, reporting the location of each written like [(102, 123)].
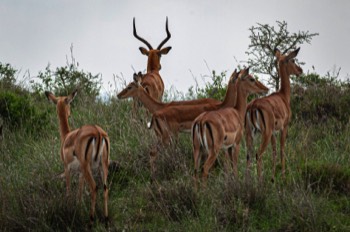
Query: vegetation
[(264, 39), (313, 197)]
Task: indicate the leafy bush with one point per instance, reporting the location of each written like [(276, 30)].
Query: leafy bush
[(214, 89), (317, 99), (64, 80), (19, 110)]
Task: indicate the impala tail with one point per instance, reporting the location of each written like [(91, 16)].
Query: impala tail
[(203, 133), (255, 120)]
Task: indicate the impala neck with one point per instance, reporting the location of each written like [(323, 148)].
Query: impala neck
[(150, 103), (285, 82), (64, 126), (153, 63), (231, 96), (241, 104)]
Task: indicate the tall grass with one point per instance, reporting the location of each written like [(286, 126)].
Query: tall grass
[(313, 197)]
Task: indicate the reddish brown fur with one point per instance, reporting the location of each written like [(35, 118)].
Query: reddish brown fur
[(272, 113), (136, 90), (223, 128), (78, 153), (152, 81), (168, 122)]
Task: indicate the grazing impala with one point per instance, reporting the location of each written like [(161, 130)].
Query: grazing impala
[(152, 82), (136, 90), (223, 128), (83, 150), (272, 113)]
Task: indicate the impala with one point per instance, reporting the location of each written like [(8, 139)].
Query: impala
[(152, 81), (223, 128), (136, 90), (271, 114), (83, 150), (168, 122)]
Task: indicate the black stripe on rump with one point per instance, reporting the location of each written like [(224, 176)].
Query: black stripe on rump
[(107, 146), (262, 117), (210, 132), (193, 130), (87, 146), (98, 146), (158, 126)]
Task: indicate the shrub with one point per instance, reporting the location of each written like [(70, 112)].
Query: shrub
[(18, 110)]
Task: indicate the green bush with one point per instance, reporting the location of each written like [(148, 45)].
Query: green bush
[(19, 110), (317, 99)]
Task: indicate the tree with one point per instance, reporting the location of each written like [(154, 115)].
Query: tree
[(263, 41)]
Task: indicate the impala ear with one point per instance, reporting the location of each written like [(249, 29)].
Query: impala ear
[(245, 73), (51, 97), (164, 51), (234, 76), (277, 53), (293, 54), (144, 51), (71, 97), (135, 77), (138, 78)]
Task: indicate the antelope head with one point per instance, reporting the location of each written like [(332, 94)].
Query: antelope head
[(153, 55), (289, 62)]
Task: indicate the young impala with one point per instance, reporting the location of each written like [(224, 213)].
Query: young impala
[(83, 150), (223, 128), (271, 114)]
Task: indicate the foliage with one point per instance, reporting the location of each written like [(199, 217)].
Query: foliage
[(216, 88), (316, 99), (7, 76), (64, 80), (18, 110), (18, 107), (313, 197), (264, 39)]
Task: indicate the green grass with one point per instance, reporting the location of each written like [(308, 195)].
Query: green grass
[(313, 197)]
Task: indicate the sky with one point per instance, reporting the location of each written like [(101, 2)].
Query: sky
[(206, 35)]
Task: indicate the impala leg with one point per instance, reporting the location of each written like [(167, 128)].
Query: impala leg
[(67, 175), (228, 160), (265, 137), (197, 161), (249, 146), (273, 145), (93, 189), (234, 156), (105, 186), (283, 141), (208, 164), (81, 186), (152, 159)]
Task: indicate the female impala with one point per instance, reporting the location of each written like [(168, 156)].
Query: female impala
[(152, 81), (223, 128), (83, 150), (135, 89), (168, 122), (271, 114)]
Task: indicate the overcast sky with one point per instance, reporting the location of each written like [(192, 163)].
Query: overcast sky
[(204, 33)]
